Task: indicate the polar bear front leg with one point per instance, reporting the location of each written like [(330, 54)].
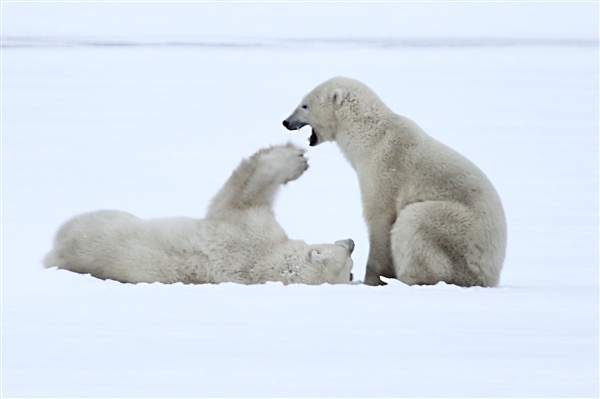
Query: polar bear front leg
[(380, 261), (256, 180), (280, 164)]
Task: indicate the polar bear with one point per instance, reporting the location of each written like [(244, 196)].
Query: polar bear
[(239, 240), (432, 215)]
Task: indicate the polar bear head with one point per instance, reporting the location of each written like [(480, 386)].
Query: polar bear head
[(333, 261), (333, 107), (315, 264)]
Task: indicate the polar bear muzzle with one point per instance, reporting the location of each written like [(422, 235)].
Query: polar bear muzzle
[(348, 244), (291, 124)]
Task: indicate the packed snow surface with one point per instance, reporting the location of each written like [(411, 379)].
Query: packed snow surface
[(134, 107)]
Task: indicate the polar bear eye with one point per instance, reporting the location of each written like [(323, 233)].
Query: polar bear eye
[(304, 106)]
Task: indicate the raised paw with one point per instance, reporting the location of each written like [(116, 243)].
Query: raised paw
[(285, 162)]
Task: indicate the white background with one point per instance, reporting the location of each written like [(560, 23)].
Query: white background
[(148, 107)]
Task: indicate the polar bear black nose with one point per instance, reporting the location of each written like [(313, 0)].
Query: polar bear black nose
[(293, 124)]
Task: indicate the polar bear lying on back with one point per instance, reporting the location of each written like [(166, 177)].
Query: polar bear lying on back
[(432, 215), (239, 240)]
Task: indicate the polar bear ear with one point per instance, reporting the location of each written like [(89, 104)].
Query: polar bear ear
[(338, 95)]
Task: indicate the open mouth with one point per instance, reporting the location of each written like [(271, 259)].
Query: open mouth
[(313, 140)]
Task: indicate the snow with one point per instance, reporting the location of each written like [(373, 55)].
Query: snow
[(148, 107)]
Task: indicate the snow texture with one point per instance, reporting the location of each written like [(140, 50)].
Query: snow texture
[(148, 107)]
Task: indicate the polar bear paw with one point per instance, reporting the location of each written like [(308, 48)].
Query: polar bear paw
[(285, 162)]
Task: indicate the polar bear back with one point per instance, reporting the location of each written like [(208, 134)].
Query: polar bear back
[(117, 245)]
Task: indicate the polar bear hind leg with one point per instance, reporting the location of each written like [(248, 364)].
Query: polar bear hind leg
[(433, 241)]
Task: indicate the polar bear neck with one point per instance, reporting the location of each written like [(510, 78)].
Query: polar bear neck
[(364, 125)]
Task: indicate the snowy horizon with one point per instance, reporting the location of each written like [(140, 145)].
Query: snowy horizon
[(350, 20), (14, 42)]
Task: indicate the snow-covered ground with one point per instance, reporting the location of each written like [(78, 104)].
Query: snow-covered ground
[(147, 108)]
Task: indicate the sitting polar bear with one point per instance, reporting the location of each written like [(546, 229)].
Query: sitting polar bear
[(239, 240), (432, 215)]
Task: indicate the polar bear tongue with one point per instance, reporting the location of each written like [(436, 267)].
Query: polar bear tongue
[(313, 140)]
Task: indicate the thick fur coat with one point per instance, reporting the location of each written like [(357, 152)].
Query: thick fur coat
[(432, 214), (239, 240)]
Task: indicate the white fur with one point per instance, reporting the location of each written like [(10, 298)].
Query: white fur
[(238, 241), (432, 215)]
